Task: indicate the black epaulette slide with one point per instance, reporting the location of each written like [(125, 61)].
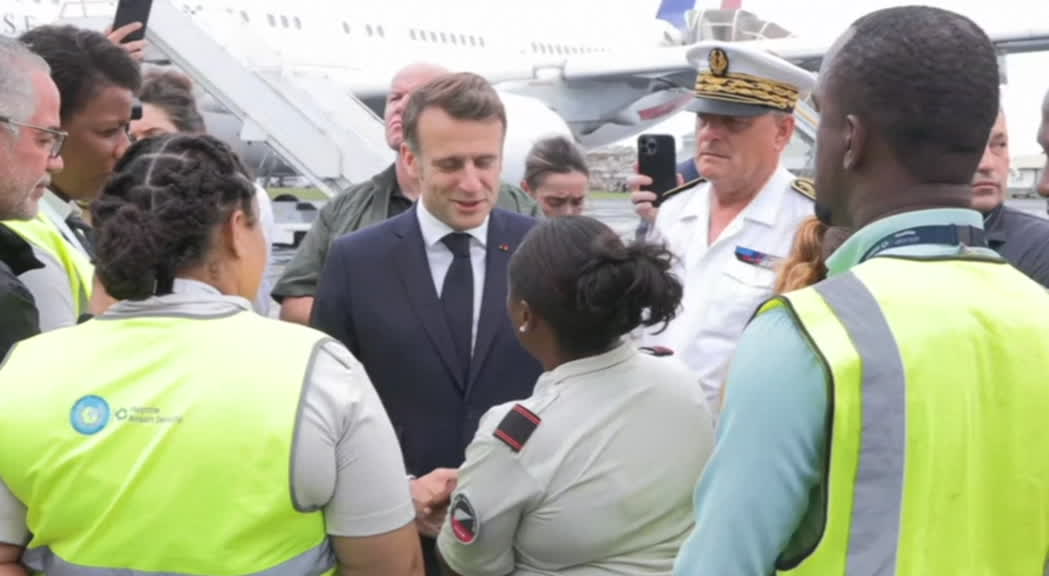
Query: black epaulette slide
[(517, 427), (657, 350), (675, 191)]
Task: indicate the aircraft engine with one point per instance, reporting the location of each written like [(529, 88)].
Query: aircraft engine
[(528, 120)]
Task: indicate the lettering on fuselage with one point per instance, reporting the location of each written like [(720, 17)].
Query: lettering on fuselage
[(14, 24)]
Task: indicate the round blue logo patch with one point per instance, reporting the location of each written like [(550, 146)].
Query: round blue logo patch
[(90, 415)]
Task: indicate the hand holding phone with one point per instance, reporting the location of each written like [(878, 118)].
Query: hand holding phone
[(129, 12), (657, 159)]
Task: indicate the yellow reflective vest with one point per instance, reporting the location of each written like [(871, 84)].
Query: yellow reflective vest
[(161, 445), (939, 430), (42, 233)]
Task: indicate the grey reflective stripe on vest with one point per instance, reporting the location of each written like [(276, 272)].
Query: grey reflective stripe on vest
[(877, 501), (313, 562)]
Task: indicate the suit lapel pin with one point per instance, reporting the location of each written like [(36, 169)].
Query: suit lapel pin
[(504, 247)]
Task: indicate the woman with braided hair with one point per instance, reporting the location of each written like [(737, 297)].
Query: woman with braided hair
[(169, 106), (183, 432)]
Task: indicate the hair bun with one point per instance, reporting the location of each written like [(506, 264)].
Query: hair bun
[(128, 252)]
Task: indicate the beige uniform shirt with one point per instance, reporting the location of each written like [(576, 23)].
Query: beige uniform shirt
[(722, 290), (602, 485)]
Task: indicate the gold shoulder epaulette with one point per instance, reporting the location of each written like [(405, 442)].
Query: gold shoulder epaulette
[(804, 186), (684, 187)]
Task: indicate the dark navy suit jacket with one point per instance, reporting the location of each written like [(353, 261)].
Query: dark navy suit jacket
[(1022, 239), (377, 296)]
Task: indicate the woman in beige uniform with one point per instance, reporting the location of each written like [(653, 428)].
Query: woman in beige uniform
[(593, 474)]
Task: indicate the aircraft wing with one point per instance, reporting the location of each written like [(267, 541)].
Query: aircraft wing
[(809, 55), (671, 61), (653, 68)]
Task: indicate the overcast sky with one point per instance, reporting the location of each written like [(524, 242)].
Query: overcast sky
[(824, 20)]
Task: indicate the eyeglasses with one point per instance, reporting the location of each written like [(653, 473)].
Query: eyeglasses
[(58, 137)]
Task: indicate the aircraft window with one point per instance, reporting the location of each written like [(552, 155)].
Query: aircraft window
[(455, 40), (382, 33), (462, 39), (284, 20), (298, 23), (368, 29), (481, 39), (411, 33), (272, 20), (244, 16), (345, 27), (433, 36), (444, 38)]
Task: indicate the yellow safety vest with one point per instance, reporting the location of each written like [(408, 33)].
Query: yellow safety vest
[(938, 438), (42, 233), (161, 445)]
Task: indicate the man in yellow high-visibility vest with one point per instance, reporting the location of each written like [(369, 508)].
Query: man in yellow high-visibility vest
[(890, 419)]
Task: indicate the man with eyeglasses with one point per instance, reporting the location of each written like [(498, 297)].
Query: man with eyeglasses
[(97, 81), (30, 144)]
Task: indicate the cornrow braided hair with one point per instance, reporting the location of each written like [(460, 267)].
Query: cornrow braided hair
[(157, 214)]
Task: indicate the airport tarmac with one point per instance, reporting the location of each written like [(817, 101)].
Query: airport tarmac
[(619, 215)]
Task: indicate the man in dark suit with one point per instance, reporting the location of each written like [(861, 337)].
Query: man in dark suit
[(1020, 237), (420, 299)]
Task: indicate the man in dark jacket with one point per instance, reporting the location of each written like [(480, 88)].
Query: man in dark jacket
[(1020, 237), (385, 195), (420, 299), (1043, 141), (30, 143), (17, 308)]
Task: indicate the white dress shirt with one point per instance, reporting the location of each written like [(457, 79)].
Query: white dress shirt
[(440, 256), (721, 292)]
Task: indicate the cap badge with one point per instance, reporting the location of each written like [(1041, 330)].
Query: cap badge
[(718, 60)]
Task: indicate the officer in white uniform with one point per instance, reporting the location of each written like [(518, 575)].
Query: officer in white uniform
[(593, 474), (730, 228)]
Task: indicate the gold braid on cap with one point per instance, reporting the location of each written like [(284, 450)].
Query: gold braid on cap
[(747, 89)]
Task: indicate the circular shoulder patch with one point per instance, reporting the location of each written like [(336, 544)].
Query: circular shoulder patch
[(89, 415), (465, 524)]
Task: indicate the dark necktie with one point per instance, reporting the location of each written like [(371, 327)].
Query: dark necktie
[(457, 298), (83, 233)]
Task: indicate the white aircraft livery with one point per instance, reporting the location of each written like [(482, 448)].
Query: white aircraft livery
[(601, 85)]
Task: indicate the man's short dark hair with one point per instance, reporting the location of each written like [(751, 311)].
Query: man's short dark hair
[(82, 63), (927, 80), (463, 96)]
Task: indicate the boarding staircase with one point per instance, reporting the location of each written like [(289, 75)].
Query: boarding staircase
[(312, 121)]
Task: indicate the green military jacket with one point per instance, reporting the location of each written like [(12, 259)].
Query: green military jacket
[(362, 205)]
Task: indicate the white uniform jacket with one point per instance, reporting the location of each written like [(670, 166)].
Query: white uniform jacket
[(724, 282)]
